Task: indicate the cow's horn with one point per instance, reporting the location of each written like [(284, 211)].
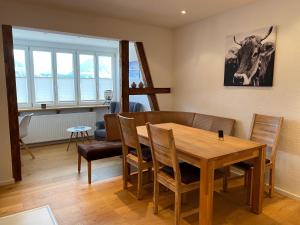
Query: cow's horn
[(270, 31), (236, 41)]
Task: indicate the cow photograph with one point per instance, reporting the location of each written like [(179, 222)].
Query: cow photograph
[(249, 59)]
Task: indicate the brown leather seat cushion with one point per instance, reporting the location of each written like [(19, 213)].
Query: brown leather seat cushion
[(189, 173), (100, 150), (146, 153)]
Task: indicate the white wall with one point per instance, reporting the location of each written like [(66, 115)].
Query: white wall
[(158, 45), (199, 74)]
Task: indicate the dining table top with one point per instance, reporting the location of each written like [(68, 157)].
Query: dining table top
[(203, 144)]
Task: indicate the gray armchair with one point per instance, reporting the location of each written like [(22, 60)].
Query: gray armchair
[(100, 132)]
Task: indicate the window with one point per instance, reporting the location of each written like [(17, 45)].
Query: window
[(43, 76), (21, 76), (87, 77), (105, 74), (135, 74), (65, 77), (58, 76)]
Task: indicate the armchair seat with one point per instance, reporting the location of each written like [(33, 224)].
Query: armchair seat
[(100, 124)]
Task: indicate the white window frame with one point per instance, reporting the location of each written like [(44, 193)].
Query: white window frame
[(113, 71), (28, 76), (87, 102), (30, 46), (45, 49), (67, 103)]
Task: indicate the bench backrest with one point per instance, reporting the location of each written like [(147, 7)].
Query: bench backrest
[(201, 121)]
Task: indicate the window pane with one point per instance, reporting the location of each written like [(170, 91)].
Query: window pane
[(66, 89), (135, 74), (42, 63), (20, 62), (87, 66), (105, 69), (22, 90), (88, 89), (43, 89), (105, 84), (64, 63)]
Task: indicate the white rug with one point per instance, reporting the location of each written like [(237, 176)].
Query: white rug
[(37, 216)]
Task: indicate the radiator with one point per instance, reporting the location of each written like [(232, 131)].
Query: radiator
[(45, 128)]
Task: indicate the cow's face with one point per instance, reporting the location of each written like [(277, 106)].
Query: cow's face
[(249, 58)]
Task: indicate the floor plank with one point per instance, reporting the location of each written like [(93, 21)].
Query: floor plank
[(52, 179)]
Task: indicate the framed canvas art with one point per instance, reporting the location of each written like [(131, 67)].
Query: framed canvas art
[(249, 59)]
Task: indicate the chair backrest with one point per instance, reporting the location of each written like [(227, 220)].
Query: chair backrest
[(163, 149), (129, 135), (266, 130), (24, 124)]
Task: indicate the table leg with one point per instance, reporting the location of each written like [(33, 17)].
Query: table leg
[(87, 136), (206, 194), (76, 138), (258, 182), (70, 141), (82, 136)]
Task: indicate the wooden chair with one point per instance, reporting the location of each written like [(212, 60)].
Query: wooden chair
[(266, 130), (133, 154), (179, 178)]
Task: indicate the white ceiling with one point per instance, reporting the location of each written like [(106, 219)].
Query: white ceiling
[(157, 12)]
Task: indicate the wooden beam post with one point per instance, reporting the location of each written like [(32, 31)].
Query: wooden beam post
[(12, 100), (146, 74), (124, 68)]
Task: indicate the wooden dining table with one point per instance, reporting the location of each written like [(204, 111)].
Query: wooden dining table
[(205, 150)]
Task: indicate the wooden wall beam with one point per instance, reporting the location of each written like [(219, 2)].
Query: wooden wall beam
[(12, 101), (124, 68), (149, 91), (146, 74)]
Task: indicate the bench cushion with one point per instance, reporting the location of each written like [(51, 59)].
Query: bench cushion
[(100, 149)]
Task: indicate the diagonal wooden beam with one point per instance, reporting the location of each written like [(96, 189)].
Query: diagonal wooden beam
[(146, 74), (124, 68)]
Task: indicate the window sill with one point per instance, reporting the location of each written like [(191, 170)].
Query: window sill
[(58, 109)]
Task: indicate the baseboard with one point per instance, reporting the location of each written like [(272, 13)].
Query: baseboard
[(287, 193), (47, 143), (6, 182), (281, 191)]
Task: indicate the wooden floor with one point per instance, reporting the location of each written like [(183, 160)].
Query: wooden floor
[(52, 179)]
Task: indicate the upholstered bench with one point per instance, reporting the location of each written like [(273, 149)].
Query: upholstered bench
[(97, 150)]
